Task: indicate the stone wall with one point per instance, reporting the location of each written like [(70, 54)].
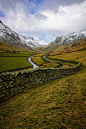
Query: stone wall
[(12, 83)]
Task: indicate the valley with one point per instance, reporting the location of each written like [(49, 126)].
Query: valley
[(59, 103), (52, 96), (13, 61)]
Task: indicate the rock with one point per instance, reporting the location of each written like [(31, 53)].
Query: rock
[(25, 97), (1, 80)]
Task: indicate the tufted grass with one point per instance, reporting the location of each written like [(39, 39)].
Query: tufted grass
[(57, 104)]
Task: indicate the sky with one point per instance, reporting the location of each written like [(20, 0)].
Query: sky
[(44, 19)]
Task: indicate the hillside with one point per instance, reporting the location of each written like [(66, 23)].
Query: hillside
[(11, 48), (63, 42), (12, 38), (67, 48), (59, 103)]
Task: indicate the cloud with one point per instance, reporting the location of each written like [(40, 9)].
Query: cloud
[(46, 22), (68, 18)]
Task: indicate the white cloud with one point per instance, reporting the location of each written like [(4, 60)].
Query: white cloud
[(68, 18), (48, 22)]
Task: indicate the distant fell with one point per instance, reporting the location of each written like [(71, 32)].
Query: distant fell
[(64, 41), (10, 37)]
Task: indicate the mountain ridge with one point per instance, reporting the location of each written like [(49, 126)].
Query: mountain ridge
[(66, 39), (70, 38), (12, 38)]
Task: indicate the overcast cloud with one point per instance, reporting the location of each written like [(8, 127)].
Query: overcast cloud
[(44, 19)]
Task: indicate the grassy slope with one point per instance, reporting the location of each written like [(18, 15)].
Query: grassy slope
[(10, 48), (59, 49), (68, 48), (57, 104), (17, 60), (78, 55)]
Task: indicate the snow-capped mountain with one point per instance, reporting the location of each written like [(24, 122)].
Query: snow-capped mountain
[(10, 37), (70, 38), (32, 42)]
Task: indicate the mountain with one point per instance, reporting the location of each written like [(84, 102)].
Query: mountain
[(34, 43), (70, 38), (12, 38)]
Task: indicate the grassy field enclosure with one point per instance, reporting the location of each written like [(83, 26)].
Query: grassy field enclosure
[(21, 53), (77, 56), (57, 104), (65, 52), (55, 60), (38, 60), (43, 63), (9, 61)]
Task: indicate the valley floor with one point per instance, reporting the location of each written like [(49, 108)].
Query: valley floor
[(10, 60), (57, 104)]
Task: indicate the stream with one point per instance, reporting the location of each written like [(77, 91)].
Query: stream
[(34, 65)]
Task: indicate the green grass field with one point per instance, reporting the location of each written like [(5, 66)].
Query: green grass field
[(57, 104), (71, 56), (57, 61), (42, 63), (38, 60), (21, 53), (9, 61)]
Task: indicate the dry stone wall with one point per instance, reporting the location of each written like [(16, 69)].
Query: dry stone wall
[(12, 83)]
